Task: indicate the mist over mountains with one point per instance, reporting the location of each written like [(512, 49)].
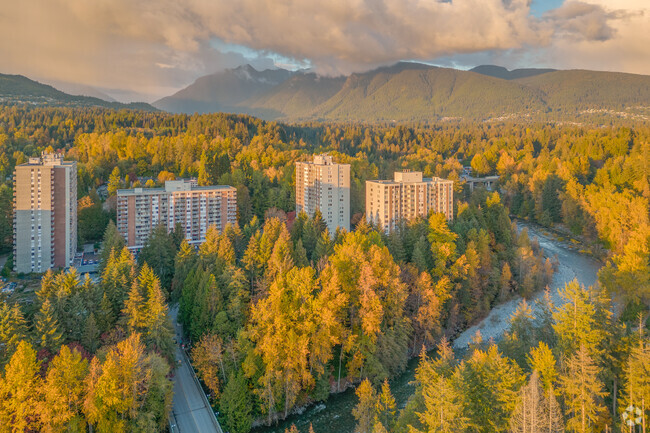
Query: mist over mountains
[(413, 92), (405, 91)]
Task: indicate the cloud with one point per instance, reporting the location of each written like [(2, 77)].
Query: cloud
[(155, 47), (582, 21), (615, 37)]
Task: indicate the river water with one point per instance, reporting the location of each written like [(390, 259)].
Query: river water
[(335, 414)]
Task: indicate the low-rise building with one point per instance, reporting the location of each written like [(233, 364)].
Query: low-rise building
[(195, 208), (407, 197)]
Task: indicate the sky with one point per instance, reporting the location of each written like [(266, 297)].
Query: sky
[(147, 49)]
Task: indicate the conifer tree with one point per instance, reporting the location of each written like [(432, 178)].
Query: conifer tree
[(159, 253), (365, 410), (443, 405), (324, 247), (575, 324), (637, 377), (20, 391), (183, 263), (236, 404), (47, 289), (91, 333), (113, 243), (582, 392), (105, 317), (63, 391), (13, 329), (386, 407), (134, 309), (47, 333)]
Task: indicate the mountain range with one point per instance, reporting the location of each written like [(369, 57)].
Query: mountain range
[(410, 91), (405, 91)]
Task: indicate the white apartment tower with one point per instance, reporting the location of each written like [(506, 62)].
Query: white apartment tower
[(45, 213), (324, 185), (195, 208), (406, 197)]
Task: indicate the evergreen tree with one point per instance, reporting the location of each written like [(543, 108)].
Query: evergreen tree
[(105, 317), (91, 333), (489, 384), (159, 253), (324, 247), (47, 333), (13, 329), (113, 243), (235, 404), (421, 254), (183, 263)]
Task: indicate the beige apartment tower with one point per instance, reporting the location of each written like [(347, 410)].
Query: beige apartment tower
[(195, 208), (45, 213), (406, 197), (324, 185)]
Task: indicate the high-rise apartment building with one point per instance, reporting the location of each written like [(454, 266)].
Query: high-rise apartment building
[(45, 213), (195, 208), (324, 185), (406, 197)]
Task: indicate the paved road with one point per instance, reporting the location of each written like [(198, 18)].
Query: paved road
[(190, 413)]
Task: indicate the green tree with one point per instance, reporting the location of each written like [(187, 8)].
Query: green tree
[(47, 333), (113, 243), (159, 253), (235, 404), (91, 333), (489, 384)]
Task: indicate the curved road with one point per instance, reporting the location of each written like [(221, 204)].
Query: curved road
[(190, 411)]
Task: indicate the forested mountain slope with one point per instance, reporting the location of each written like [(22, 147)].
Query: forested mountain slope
[(17, 89), (416, 92)]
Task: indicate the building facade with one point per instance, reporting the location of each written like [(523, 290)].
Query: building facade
[(195, 208), (45, 213), (324, 185), (406, 197)]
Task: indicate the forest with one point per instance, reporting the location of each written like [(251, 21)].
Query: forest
[(282, 313)]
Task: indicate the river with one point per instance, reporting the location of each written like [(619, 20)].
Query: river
[(334, 415)]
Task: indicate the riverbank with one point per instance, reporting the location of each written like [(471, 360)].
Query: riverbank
[(335, 414)]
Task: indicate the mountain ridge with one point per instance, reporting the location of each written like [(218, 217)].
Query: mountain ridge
[(18, 89), (410, 91)]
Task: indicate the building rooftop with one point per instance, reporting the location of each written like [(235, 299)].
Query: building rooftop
[(173, 186), (46, 159), (323, 159), (408, 180)]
